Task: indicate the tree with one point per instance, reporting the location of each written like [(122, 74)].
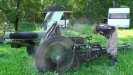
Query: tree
[(12, 10), (17, 14), (21, 10), (32, 10)]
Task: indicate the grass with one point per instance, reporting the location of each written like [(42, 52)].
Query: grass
[(17, 62)]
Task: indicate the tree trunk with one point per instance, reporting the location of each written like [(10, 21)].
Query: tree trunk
[(17, 15), (16, 23)]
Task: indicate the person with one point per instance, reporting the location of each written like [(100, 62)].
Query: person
[(110, 33)]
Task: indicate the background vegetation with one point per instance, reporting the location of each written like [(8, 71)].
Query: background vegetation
[(16, 11)]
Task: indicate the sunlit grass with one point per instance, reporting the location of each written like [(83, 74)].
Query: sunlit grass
[(124, 33), (17, 62)]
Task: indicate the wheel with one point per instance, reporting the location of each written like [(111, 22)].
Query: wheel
[(50, 51), (66, 62)]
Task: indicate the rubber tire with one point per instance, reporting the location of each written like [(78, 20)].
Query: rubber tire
[(70, 60), (43, 62)]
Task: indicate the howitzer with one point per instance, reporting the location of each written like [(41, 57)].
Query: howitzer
[(49, 44), (54, 52), (35, 38)]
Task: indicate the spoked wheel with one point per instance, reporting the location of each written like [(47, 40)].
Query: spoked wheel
[(50, 52), (67, 61)]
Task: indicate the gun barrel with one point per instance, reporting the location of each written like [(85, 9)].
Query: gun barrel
[(24, 35), (20, 39)]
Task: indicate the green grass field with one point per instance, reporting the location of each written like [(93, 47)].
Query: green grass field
[(17, 62)]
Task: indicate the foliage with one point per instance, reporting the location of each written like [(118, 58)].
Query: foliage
[(32, 10), (27, 26)]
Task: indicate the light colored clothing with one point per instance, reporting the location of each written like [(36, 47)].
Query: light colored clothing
[(112, 44)]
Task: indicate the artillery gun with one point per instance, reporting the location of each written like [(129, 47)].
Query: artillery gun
[(32, 40), (54, 52)]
